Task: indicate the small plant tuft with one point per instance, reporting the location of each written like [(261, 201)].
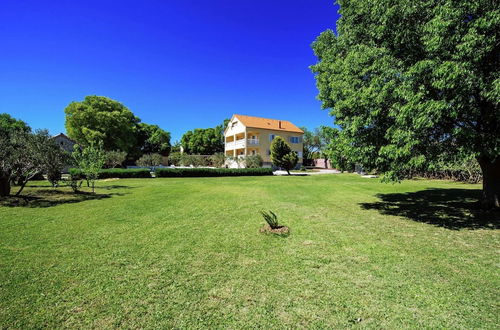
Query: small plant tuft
[(271, 219)]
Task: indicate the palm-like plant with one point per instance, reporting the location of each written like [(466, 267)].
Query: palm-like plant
[(271, 218)]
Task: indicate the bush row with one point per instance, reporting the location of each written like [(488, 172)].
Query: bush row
[(175, 172), (203, 172), (116, 173)]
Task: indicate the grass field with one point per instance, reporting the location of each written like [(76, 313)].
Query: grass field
[(187, 253)]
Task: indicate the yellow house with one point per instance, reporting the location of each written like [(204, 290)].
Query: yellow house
[(247, 135)]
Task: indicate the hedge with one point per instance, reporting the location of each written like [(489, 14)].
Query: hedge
[(115, 173), (204, 172)]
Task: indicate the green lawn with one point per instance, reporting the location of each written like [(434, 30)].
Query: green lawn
[(187, 253)]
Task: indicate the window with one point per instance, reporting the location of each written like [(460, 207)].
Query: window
[(295, 139), (271, 137), (234, 123)]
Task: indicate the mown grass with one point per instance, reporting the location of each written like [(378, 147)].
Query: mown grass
[(187, 253)]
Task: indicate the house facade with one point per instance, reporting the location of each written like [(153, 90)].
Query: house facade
[(247, 135), (64, 142)]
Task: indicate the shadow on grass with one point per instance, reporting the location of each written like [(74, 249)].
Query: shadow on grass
[(449, 208), (51, 197)]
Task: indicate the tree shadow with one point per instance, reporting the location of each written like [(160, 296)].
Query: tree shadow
[(51, 197), (449, 208)]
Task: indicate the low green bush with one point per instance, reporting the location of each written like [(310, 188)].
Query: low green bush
[(115, 173), (203, 172)]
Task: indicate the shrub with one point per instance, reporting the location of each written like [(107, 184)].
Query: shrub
[(115, 158), (211, 172), (253, 161), (271, 219), (218, 159), (195, 160), (149, 160), (113, 173), (174, 159)]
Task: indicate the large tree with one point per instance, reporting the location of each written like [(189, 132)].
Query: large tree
[(204, 141), (153, 139), (411, 81), (98, 118), (9, 129)]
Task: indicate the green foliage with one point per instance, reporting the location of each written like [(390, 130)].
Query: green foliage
[(54, 159), (98, 118), (152, 139), (150, 160), (26, 155), (174, 158), (271, 219), (9, 128), (204, 141), (411, 82), (115, 158), (339, 152), (113, 173), (315, 142), (9, 124), (195, 160), (253, 161), (218, 159), (90, 161), (282, 155), (211, 172)]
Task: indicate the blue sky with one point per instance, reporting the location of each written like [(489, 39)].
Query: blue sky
[(180, 64)]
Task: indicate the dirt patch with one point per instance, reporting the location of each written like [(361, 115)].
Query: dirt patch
[(281, 230)]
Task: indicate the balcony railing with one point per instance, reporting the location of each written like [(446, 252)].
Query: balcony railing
[(241, 143)]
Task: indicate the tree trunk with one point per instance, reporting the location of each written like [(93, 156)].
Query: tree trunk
[(491, 182), (23, 184), (4, 185)]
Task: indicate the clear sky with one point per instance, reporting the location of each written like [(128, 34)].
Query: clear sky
[(180, 64)]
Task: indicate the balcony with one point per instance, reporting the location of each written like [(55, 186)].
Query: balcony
[(238, 144)]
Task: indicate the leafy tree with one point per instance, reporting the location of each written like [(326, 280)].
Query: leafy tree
[(204, 141), (150, 160), (8, 127), (54, 159), (29, 155), (115, 158), (90, 160), (9, 124), (152, 139), (338, 151), (316, 142), (409, 82), (98, 118), (282, 155)]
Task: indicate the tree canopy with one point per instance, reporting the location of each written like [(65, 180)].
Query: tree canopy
[(409, 82), (153, 139), (204, 141), (98, 118), (282, 155)]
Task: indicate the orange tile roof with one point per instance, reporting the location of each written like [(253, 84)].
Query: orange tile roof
[(272, 124)]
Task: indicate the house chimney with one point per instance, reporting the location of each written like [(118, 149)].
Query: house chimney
[(280, 123)]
